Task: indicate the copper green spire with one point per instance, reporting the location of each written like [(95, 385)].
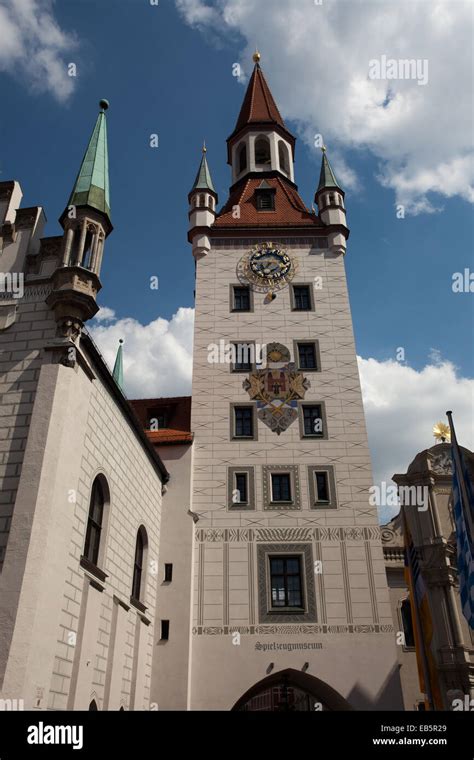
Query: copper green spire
[(326, 177), (203, 179), (92, 184), (118, 367)]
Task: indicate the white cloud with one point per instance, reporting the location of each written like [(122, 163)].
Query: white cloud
[(317, 60), (34, 46), (105, 315), (157, 357), (402, 405)]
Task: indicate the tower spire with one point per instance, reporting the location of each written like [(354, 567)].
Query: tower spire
[(118, 366), (203, 179), (91, 187), (326, 176), (202, 208)]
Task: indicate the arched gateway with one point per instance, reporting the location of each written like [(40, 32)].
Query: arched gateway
[(290, 691)]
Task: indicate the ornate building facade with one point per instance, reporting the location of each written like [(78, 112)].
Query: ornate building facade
[(432, 529), (213, 552)]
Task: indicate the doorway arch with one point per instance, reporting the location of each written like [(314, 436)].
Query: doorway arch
[(291, 691)]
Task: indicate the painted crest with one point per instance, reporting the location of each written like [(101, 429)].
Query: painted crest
[(277, 389)]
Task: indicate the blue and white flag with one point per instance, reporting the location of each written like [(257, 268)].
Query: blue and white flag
[(463, 508)]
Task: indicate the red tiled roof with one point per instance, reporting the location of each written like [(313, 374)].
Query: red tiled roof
[(167, 435), (289, 208), (258, 105)]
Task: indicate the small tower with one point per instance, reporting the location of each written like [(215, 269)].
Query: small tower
[(330, 199), (86, 223), (260, 142), (202, 209)]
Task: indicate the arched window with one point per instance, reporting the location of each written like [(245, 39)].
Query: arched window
[(283, 157), (94, 522), (139, 563), (262, 151), (202, 201), (407, 623), (93, 705), (242, 153)]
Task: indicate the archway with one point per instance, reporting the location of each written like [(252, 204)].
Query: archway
[(291, 691)]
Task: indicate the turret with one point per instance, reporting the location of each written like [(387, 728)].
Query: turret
[(330, 199), (86, 223), (202, 209), (260, 141)]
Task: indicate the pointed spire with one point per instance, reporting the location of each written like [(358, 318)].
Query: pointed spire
[(258, 105), (92, 183), (203, 179), (258, 111), (118, 366), (326, 176)]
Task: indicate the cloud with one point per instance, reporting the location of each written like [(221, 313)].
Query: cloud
[(33, 45), (402, 405), (105, 315), (317, 58), (157, 357)]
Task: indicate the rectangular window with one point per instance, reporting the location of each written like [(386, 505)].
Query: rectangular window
[(281, 486), (243, 417), (168, 572), (265, 200), (244, 357), (301, 298), (241, 486), (165, 630), (307, 356), (321, 483), (241, 299), (286, 582), (322, 486), (312, 420)]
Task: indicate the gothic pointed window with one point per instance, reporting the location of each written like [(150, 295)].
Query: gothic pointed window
[(283, 157), (94, 522), (242, 154), (262, 151), (139, 564)]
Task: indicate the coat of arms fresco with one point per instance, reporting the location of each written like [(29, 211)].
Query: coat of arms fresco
[(277, 389)]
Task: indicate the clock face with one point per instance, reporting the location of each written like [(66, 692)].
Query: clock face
[(266, 267)]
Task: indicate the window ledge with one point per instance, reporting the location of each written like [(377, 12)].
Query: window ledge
[(138, 605), (281, 503), (93, 569), (287, 611)]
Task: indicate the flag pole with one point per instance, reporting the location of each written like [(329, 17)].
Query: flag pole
[(462, 484)]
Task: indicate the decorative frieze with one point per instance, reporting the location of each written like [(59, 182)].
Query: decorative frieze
[(217, 535), (291, 630)]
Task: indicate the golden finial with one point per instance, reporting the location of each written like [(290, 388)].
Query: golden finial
[(442, 433), (256, 56), (204, 149), (323, 148)]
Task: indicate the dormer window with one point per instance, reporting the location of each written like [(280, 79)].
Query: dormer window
[(262, 151), (242, 158), (265, 197)]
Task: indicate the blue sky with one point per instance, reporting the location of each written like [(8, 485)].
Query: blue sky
[(168, 70), (162, 76)]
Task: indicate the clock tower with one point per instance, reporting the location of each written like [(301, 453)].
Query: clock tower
[(290, 600)]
